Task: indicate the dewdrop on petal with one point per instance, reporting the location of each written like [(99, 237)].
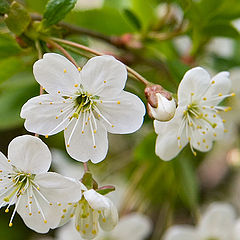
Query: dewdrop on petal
[(161, 106)]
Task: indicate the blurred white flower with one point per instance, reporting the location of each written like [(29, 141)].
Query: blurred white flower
[(83, 5), (197, 119), (26, 183), (218, 223), (85, 104), (91, 211), (133, 226)]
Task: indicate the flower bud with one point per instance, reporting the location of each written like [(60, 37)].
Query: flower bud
[(161, 106)]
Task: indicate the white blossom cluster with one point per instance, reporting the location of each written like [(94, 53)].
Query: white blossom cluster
[(86, 104)]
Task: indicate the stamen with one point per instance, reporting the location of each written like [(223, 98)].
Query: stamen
[(73, 130)]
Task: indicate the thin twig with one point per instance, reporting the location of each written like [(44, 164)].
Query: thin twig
[(60, 48), (85, 166), (87, 49), (40, 55)]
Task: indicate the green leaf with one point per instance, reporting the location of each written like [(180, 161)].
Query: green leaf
[(4, 6), (223, 29), (10, 66), (132, 18), (188, 185), (56, 10), (8, 46), (109, 21), (17, 19)]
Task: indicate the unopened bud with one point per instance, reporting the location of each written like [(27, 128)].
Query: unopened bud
[(161, 106)]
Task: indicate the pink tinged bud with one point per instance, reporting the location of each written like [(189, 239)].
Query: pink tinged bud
[(161, 106)]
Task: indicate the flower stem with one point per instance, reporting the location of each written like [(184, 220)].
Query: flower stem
[(60, 48), (85, 167), (90, 50), (40, 55)]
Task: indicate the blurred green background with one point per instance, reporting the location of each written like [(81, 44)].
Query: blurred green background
[(161, 40)]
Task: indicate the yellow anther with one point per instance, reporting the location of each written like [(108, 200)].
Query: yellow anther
[(95, 131), (225, 130), (46, 136), (44, 89), (87, 225), (101, 101), (30, 202), (70, 97), (207, 147), (71, 215), (84, 232), (195, 154), (189, 106), (30, 214), (206, 115), (203, 132), (6, 210), (10, 224), (45, 221), (76, 85), (68, 145), (78, 228), (61, 110), (79, 69), (178, 138), (94, 232), (214, 134), (56, 117), (75, 205), (75, 115), (203, 107), (104, 81), (59, 204), (214, 115), (192, 93), (70, 204), (213, 82), (82, 132), (227, 109), (9, 160), (198, 143), (86, 123), (6, 199), (189, 139), (233, 94), (63, 216), (212, 107), (26, 206), (204, 98), (65, 210), (99, 211), (104, 220), (39, 212), (64, 70), (214, 125), (0, 171), (51, 103), (58, 91), (118, 102), (113, 126), (204, 140), (40, 103), (180, 146), (220, 94), (94, 146), (190, 124), (50, 204), (223, 120)]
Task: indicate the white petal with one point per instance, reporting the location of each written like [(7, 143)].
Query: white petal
[(108, 218), (33, 219), (167, 146), (46, 114), (104, 75), (125, 113), (236, 232), (5, 166), (81, 146), (193, 85), (56, 73), (68, 231), (181, 233), (96, 200), (222, 85), (30, 154), (57, 188), (87, 226), (134, 226), (217, 222)]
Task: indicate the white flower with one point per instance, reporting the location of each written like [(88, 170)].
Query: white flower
[(91, 211), (197, 119), (218, 223), (25, 182), (85, 104), (165, 109), (133, 226)]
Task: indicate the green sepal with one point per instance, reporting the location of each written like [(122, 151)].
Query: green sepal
[(105, 190), (88, 181), (17, 18)]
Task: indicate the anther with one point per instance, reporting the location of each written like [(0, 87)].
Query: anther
[(76, 85), (64, 70), (79, 69), (45, 221), (46, 136), (104, 81), (204, 98), (118, 102), (6, 210), (94, 131), (220, 94), (10, 224), (94, 146), (233, 94), (213, 82)]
